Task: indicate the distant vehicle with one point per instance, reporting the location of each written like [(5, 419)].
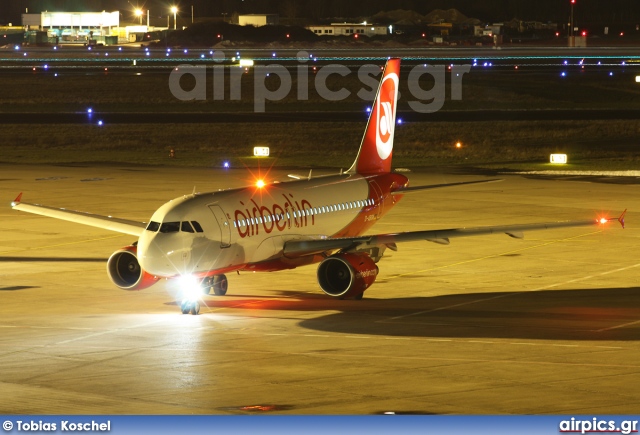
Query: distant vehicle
[(271, 226)]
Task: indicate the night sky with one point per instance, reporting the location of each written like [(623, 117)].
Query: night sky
[(589, 12)]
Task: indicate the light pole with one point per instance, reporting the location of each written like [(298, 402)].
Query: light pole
[(175, 11), (138, 13), (572, 40)]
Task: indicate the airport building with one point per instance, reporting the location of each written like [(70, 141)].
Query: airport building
[(82, 27), (349, 29), (258, 20)]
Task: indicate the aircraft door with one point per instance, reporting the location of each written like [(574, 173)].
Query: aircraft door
[(223, 224)]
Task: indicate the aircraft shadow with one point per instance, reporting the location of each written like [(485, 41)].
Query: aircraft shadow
[(580, 314)]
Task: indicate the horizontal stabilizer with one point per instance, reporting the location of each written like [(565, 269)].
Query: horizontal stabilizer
[(405, 190)]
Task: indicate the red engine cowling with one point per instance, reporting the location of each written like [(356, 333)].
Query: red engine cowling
[(345, 275), (125, 271)]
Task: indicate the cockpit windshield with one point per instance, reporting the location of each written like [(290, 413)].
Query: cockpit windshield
[(170, 227), (153, 226)]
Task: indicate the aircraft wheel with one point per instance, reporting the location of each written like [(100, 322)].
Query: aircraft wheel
[(195, 308), (185, 307), (220, 285), (207, 285)]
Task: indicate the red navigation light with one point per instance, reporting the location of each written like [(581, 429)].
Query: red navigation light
[(573, 2)]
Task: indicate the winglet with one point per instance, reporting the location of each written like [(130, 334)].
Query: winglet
[(621, 218), (17, 200)]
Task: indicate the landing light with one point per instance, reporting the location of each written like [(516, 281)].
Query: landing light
[(604, 220), (246, 62), (260, 184), (190, 286)]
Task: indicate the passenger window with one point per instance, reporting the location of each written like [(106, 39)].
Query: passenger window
[(170, 227), (153, 226), (197, 226), (186, 227)]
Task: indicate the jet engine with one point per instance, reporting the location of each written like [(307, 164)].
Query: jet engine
[(125, 271), (347, 274)]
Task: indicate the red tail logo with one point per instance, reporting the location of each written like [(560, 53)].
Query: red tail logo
[(386, 114), (377, 144)]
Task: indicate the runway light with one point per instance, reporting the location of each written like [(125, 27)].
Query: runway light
[(261, 151), (560, 159)]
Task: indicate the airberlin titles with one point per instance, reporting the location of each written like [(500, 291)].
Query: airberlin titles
[(279, 217)]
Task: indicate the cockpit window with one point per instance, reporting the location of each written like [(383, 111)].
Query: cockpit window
[(153, 226), (197, 226), (170, 227), (186, 227)]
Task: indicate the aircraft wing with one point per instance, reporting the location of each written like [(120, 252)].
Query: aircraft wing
[(297, 248), (133, 228), (411, 189)]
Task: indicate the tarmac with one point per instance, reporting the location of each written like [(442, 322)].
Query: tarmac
[(487, 325)]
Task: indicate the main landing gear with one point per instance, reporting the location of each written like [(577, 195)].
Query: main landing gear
[(217, 283)]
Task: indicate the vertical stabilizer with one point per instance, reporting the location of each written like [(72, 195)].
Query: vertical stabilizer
[(376, 147)]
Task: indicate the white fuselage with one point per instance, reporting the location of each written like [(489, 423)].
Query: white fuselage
[(242, 228)]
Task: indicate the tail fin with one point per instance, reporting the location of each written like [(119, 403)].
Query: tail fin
[(376, 147)]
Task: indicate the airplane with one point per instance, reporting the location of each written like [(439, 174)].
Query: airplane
[(272, 226)]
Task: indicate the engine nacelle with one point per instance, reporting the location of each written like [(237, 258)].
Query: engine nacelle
[(344, 275), (125, 271)]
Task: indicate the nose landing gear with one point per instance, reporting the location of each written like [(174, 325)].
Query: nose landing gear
[(188, 306)]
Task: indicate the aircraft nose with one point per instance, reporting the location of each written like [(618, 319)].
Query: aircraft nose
[(159, 260)]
